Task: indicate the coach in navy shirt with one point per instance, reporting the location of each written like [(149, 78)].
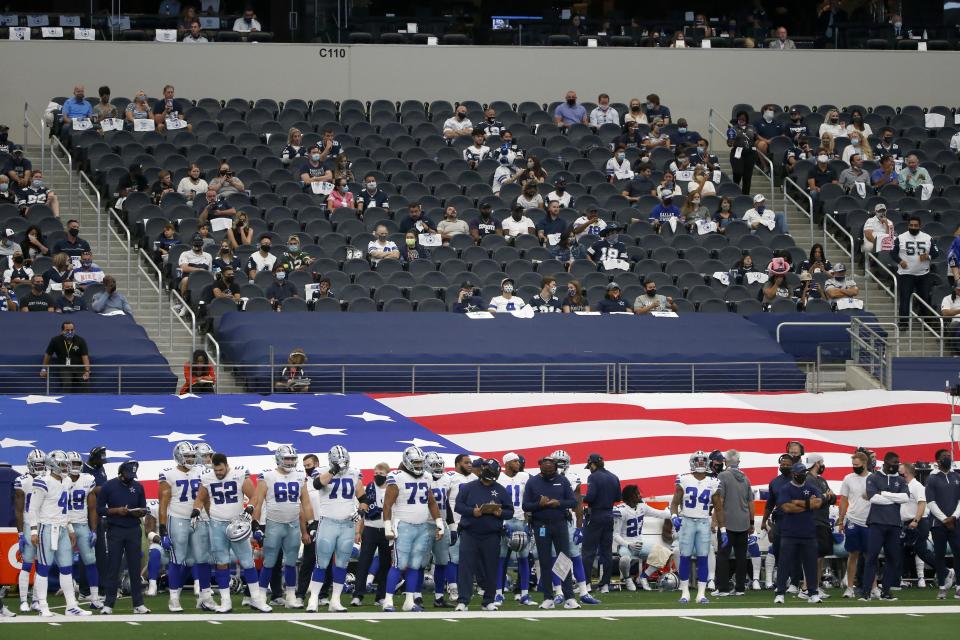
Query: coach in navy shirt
[(548, 498), (943, 501), (603, 490), (797, 502), (124, 503), (886, 490)]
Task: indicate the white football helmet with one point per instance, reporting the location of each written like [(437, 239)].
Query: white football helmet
[(340, 456), (562, 459), (413, 460), (57, 462), (185, 454), (699, 462), (203, 454), (239, 528), (434, 464), (286, 456), (518, 540), (36, 462), (668, 582), (76, 462)]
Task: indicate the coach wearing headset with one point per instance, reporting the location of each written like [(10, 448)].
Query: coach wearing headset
[(603, 490)]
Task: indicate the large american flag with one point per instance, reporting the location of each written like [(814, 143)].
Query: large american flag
[(645, 438)]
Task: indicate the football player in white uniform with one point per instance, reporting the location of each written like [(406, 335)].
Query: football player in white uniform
[(575, 524), (462, 473), (282, 498), (440, 484), (83, 519), (222, 490), (51, 532), (202, 567), (628, 531), (517, 538), (696, 492), (337, 488), (408, 508), (23, 494)]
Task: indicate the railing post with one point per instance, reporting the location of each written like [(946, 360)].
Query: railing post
[(693, 378), (543, 378), (759, 379), (478, 378), (413, 378), (343, 378), (119, 380)]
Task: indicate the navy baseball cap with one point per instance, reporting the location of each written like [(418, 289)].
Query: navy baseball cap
[(593, 458), (798, 468), (477, 462)]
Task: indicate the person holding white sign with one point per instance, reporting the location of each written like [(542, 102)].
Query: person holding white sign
[(75, 109), (314, 171), (165, 112), (506, 301), (137, 110), (916, 180), (760, 215), (215, 207), (878, 231)]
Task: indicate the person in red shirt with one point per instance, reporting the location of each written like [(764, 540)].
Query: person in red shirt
[(198, 374), (341, 196)]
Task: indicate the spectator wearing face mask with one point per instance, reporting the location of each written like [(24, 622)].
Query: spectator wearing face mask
[(723, 216), (858, 125), (570, 112), (701, 184), (341, 197), (886, 146), (372, 195), (618, 167), (654, 110), (694, 213), (613, 302), (192, 184), (604, 113), (858, 145), (878, 231), (162, 186), (18, 168), (190, 261), (262, 259), (701, 156), (546, 301), (609, 252), (467, 300), (560, 194), (247, 23), (451, 225), (7, 195), (37, 300), (656, 138), (507, 146), (680, 167), (226, 183), (110, 301), (665, 212), (416, 220), (631, 138), (281, 288), (17, 272), (506, 173), (530, 198), (490, 126), (5, 143), (73, 245), (225, 260), (683, 136), (214, 206), (74, 109), (652, 301), (635, 114), (742, 267), (800, 150), (37, 193), (776, 286), (840, 285), (822, 174), (913, 251), (476, 152), (833, 125), (7, 246), (576, 299), (458, 125), (742, 140), (381, 247), (760, 215), (8, 299), (69, 301), (782, 42), (808, 290), (591, 224), (89, 272), (241, 233), (913, 177), (294, 258), (639, 186), (58, 273), (767, 128), (550, 228), (506, 301), (796, 126)]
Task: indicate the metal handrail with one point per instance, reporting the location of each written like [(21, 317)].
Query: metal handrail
[(877, 323), (68, 167), (806, 212), (83, 177), (769, 176), (114, 216), (211, 341), (923, 320), (882, 357), (192, 327), (27, 125), (868, 275), (827, 220), (158, 287)]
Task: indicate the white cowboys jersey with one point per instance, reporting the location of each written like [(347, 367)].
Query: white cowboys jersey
[(226, 495), (24, 483), (697, 495), (573, 477), (50, 504), (441, 493), (283, 494), (515, 487), (184, 486), (453, 489), (411, 505), (628, 522), (338, 500), (83, 486)]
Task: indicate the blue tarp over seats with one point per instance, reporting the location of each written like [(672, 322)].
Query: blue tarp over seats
[(114, 340), (802, 342), (575, 348), (925, 374)]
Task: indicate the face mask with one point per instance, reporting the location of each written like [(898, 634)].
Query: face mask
[(913, 232), (86, 263), (530, 165), (344, 188), (315, 157), (855, 143), (265, 248), (411, 242), (561, 189), (891, 469), (553, 291), (18, 260), (945, 462), (74, 232), (571, 101), (768, 116), (379, 480), (857, 470), (823, 159), (228, 278), (382, 236), (508, 288), (372, 186), (68, 292), (682, 160), (612, 238), (799, 479), (635, 107), (461, 115), (695, 203), (223, 172), (681, 129), (281, 275), (293, 248), (68, 334), (784, 471), (760, 208), (649, 105), (652, 292), (725, 207), (4, 186), (621, 156), (835, 119), (484, 214), (198, 245), (898, 25), (887, 140), (701, 149)]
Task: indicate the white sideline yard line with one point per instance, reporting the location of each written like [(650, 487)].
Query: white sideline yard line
[(762, 617), (736, 626), (557, 614), (610, 619), (328, 630)]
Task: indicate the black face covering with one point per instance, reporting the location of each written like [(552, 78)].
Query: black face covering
[(891, 468), (784, 471), (858, 470), (945, 462), (379, 480)]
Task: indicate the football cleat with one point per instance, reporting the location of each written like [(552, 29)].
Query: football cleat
[(547, 604), (921, 584), (792, 590), (778, 599), (645, 584), (151, 590), (558, 599), (277, 602), (814, 600), (6, 613), (25, 607), (849, 593), (629, 584), (755, 585), (605, 589), (96, 604), (489, 607), (864, 598), (336, 607), (77, 611), (951, 578), (356, 602), (941, 594), (498, 600), (711, 585), (260, 605), (388, 608), (588, 599), (461, 607), (888, 597), (313, 603), (141, 610), (703, 600), (174, 605), (45, 613), (293, 602), (572, 604), (875, 593), (527, 601), (440, 603), (106, 611)]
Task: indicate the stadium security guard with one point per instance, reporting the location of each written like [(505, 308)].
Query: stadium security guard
[(483, 506), (603, 490), (797, 502), (124, 503), (548, 498)]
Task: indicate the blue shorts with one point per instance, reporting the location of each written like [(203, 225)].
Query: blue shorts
[(50, 536), (189, 546), (412, 545), (511, 527), (282, 535), (334, 538), (88, 552), (855, 537), (695, 537), (222, 547)]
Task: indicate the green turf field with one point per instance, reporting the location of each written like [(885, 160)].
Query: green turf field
[(622, 615)]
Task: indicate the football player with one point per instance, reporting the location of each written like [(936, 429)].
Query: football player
[(337, 486), (222, 490), (51, 532), (440, 485), (202, 567), (410, 502), (575, 525), (517, 536), (23, 494), (628, 532), (83, 518), (690, 507), (461, 474)]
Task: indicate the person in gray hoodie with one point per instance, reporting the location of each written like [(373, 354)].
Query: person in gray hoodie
[(738, 509)]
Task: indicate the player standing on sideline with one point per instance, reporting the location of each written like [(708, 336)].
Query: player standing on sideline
[(83, 519), (461, 474), (337, 486), (695, 493), (517, 533), (23, 494), (575, 526), (628, 532), (440, 484), (409, 500)]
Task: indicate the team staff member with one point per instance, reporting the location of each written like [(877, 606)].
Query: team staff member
[(916, 524), (603, 490), (815, 467), (547, 498), (797, 502), (484, 505), (372, 539), (886, 491), (852, 519), (772, 514), (943, 502), (123, 502), (94, 466)]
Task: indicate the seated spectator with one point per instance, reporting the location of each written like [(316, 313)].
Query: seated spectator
[(104, 109), (507, 147), (372, 196), (652, 301), (612, 302), (225, 285), (953, 255), (247, 23), (517, 224), (7, 247), (668, 185), (187, 16), (533, 173), (828, 146), (190, 261), (467, 300), (797, 128), (655, 138), (341, 168), (570, 112), (701, 156), (490, 126), (576, 299), (641, 185), (530, 198), (241, 233), (560, 195), (110, 301), (591, 223), (506, 173), (878, 231), (885, 175), (458, 125), (37, 300), (5, 143), (550, 228), (75, 109), (451, 225), (7, 195), (630, 137), (760, 215), (742, 268), (17, 272), (323, 290), (382, 248), (18, 168), (656, 111), (665, 212), (209, 242), (226, 183), (955, 143), (73, 245), (330, 147), (214, 207), (546, 301), (340, 197), (681, 165), (886, 146), (294, 150), (198, 374), (8, 299), (165, 112), (292, 377), (683, 136), (609, 252), (226, 259), (417, 221), (854, 179), (723, 216), (195, 35), (701, 184), (618, 167), (262, 259), (822, 174), (37, 193), (281, 288), (89, 272), (569, 250), (841, 286), (506, 301), (134, 180), (58, 273), (816, 261), (476, 152), (801, 150), (485, 224), (914, 179), (603, 113), (295, 258), (776, 286), (192, 184), (858, 125), (636, 114), (412, 249), (782, 42), (950, 308), (808, 290), (167, 239), (138, 109), (767, 128), (697, 216), (833, 125), (162, 186)]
